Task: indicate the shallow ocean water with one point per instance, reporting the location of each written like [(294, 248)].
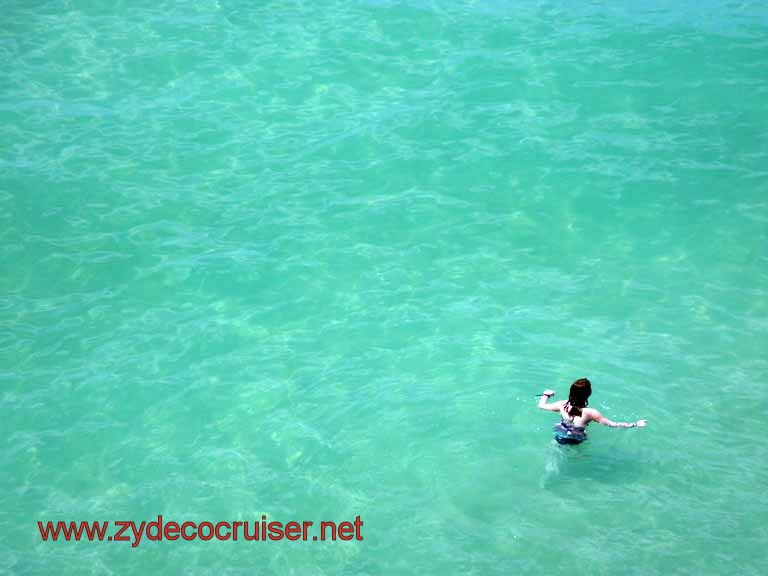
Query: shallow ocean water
[(313, 260)]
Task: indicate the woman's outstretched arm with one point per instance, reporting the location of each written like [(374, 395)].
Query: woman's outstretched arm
[(597, 417)]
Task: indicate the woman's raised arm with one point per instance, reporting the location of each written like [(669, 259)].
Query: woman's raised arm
[(554, 407)]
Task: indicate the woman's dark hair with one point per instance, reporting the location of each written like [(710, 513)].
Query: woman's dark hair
[(578, 397)]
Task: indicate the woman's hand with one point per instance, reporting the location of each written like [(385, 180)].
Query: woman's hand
[(642, 423), (548, 393)]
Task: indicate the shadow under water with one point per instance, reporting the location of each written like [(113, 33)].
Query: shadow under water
[(606, 464)]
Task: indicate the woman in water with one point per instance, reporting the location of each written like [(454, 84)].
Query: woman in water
[(575, 414)]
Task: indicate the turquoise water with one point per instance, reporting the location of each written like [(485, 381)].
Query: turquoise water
[(313, 260)]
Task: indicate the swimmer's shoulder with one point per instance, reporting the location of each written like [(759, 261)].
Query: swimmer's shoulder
[(592, 414)]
